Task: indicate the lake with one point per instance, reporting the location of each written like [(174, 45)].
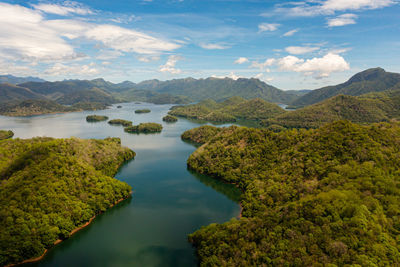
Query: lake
[(168, 202)]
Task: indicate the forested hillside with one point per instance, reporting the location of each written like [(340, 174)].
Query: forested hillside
[(229, 110), (368, 108), (51, 186), (371, 80), (217, 89), (325, 197)]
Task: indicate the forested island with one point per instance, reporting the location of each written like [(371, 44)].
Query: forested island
[(96, 118), (228, 110), (49, 187), (139, 111), (148, 127), (6, 134), (324, 197), (124, 123), (39, 106), (170, 118)]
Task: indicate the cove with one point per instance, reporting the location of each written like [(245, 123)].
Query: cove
[(168, 203)]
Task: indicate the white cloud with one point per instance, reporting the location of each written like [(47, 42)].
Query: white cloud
[(127, 40), (108, 54), (290, 33), (66, 8), (214, 46), (342, 20), (298, 50), (268, 27), (329, 7), (36, 39), (317, 67), (241, 60), (262, 77), (148, 58), (59, 69), (263, 65), (231, 75), (170, 65)]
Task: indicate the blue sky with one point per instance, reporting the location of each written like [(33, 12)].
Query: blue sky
[(288, 44)]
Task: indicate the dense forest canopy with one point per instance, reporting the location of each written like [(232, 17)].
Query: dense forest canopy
[(122, 122), (51, 186), (4, 134), (147, 127), (229, 110), (324, 197)]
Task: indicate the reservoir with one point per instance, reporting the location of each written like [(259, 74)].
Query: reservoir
[(168, 202)]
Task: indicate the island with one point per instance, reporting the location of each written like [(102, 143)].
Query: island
[(139, 111), (51, 188), (124, 123), (319, 197), (170, 118), (119, 106), (148, 127), (96, 118), (6, 134), (229, 110)]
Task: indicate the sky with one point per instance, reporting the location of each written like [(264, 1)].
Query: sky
[(291, 45)]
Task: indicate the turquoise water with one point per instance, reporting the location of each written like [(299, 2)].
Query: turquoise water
[(168, 203)]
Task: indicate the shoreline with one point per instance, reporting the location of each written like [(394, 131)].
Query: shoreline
[(74, 231)]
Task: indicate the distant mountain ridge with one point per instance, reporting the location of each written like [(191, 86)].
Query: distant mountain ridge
[(370, 80), (217, 89), (16, 80)]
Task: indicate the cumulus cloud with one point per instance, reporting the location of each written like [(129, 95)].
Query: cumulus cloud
[(263, 65), (59, 69), (262, 77), (317, 67), (329, 7), (34, 38), (241, 60), (290, 33), (214, 46), (231, 75), (268, 27), (342, 20), (169, 66), (299, 50), (66, 8)]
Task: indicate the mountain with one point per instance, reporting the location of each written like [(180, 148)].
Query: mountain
[(10, 92), (217, 89), (16, 80), (32, 107), (371, 80), (363, 109)]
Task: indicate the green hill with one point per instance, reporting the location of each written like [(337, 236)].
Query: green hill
[(371, 80), (217, 89), (6, 134), (16, 80), (33, 107), (229, 110), (10, 92), (49, 187), (325, 197)]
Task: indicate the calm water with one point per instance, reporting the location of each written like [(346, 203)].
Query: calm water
[(168, 202)]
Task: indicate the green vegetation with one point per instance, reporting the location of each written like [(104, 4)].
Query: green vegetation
[(96, 118), (89, 106), (371, 80), (362, 109), (324, 197), (139, 111), (124, 123), (229, 110), (170, 118), (50, 186), (6, 134), (33, 107), (217, 89), (148, 127), (201, 134)]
